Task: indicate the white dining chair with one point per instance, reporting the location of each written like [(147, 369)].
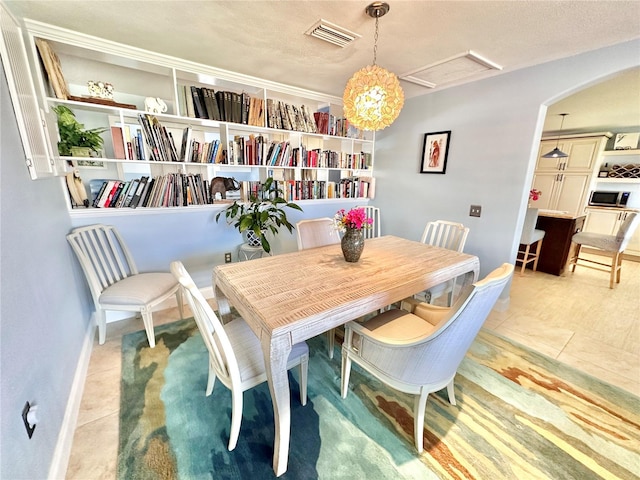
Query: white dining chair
[(114, 280), (374, 214), (235, 354), (449, 235), (418, 352), (313, 233)]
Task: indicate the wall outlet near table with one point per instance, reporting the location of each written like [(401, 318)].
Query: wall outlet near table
[(475, 210), (227, 257)]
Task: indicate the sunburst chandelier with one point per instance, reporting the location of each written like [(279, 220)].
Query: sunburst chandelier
[(373, 96)]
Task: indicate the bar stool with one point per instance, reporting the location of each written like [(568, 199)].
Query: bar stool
[(530, 236), (611, 245)]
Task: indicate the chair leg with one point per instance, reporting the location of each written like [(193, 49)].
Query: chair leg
[(619, 267), (535, 262), (211, 381), (179, 299), (304, 368), (346, 372), (236, 418), (147, 319), (418, 418), (576, 255), (331, 338), (615, 260), (450, 392), (101, 320), (524, 259)]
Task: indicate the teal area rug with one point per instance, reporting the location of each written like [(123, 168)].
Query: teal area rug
[(519, 415)]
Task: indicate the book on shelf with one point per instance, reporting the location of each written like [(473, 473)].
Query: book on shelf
[(117, 137), (114, 199), (186, 143), (97, 187), (138, 193), (198, 102), (189, 107), (245, 108), (107, 193), (132, 190), (220, 94), (144, 198), (211, 103)]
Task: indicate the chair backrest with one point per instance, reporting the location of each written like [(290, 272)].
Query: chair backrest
[(627, 229), (316, 232), (435, 358), (103, 255), (441, 233), (221, 353), (374, 214), (530, 220)]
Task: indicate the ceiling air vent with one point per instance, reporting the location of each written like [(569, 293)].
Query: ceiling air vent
[(332, 33), (450, 70)]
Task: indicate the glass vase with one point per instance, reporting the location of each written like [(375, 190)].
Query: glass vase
[(352, 244)]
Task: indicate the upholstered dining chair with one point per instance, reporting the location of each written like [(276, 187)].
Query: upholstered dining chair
[(318, 232), (530, 236), (374, 214), (114, 280), (611, 246), (445, 234), (235, 354), (419, 352)]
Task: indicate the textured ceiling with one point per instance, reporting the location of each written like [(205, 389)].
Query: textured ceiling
[(266, 38)]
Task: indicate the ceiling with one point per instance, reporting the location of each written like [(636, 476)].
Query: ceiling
[(266, 39)]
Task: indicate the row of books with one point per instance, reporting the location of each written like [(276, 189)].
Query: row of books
[(224, 106), (128, 138), (293, 190), (286, 116), (170, 190), (162, 147), (331, 125)]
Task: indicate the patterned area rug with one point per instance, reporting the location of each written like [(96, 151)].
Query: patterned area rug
[(520, 415)]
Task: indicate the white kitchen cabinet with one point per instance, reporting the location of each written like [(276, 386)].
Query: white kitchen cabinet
[(565, 182), (562, 191), (607, 221)]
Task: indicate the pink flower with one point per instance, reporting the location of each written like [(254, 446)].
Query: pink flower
[(354, 218), (534, 194)]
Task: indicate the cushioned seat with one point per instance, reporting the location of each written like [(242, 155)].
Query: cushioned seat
[(610, 245)]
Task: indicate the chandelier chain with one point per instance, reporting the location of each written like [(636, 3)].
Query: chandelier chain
[(375, 43)]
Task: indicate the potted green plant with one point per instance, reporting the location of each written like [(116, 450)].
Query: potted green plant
[(263, 213), (73, 134)]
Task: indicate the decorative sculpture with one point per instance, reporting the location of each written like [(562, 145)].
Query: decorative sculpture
[(155, 105)]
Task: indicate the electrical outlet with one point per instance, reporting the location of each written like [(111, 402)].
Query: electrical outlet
[(475, 210), (29, 428), (227, 257)]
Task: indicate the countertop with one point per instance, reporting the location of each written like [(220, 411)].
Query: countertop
[(558, 214)]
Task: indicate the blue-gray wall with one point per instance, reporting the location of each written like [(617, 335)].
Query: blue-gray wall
[(43, 310), (496, 127)]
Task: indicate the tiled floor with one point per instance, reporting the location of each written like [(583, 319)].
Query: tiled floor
[(576, 319)]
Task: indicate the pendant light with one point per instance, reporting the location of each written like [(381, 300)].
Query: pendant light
[(373, 97), (556, 152)]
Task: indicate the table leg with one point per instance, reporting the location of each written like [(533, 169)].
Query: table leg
[(276, 353), (224, 309)]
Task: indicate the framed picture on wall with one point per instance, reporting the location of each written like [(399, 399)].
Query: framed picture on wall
[(435, 151)]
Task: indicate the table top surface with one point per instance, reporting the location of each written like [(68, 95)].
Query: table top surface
[(307, 292)]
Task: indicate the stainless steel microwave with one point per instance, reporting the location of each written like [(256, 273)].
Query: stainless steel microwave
[(601, 198)]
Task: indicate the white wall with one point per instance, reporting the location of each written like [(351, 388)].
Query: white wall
[(496, 125)]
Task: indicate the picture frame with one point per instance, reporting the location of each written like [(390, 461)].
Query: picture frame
[(90, 163), (435, 151)]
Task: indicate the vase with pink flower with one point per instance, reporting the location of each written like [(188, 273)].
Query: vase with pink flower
[(352, 223)]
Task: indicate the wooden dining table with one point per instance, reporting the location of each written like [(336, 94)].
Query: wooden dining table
[(290, 298)]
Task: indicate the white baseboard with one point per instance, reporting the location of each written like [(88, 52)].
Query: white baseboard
[(60, 461), (502, 304)]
